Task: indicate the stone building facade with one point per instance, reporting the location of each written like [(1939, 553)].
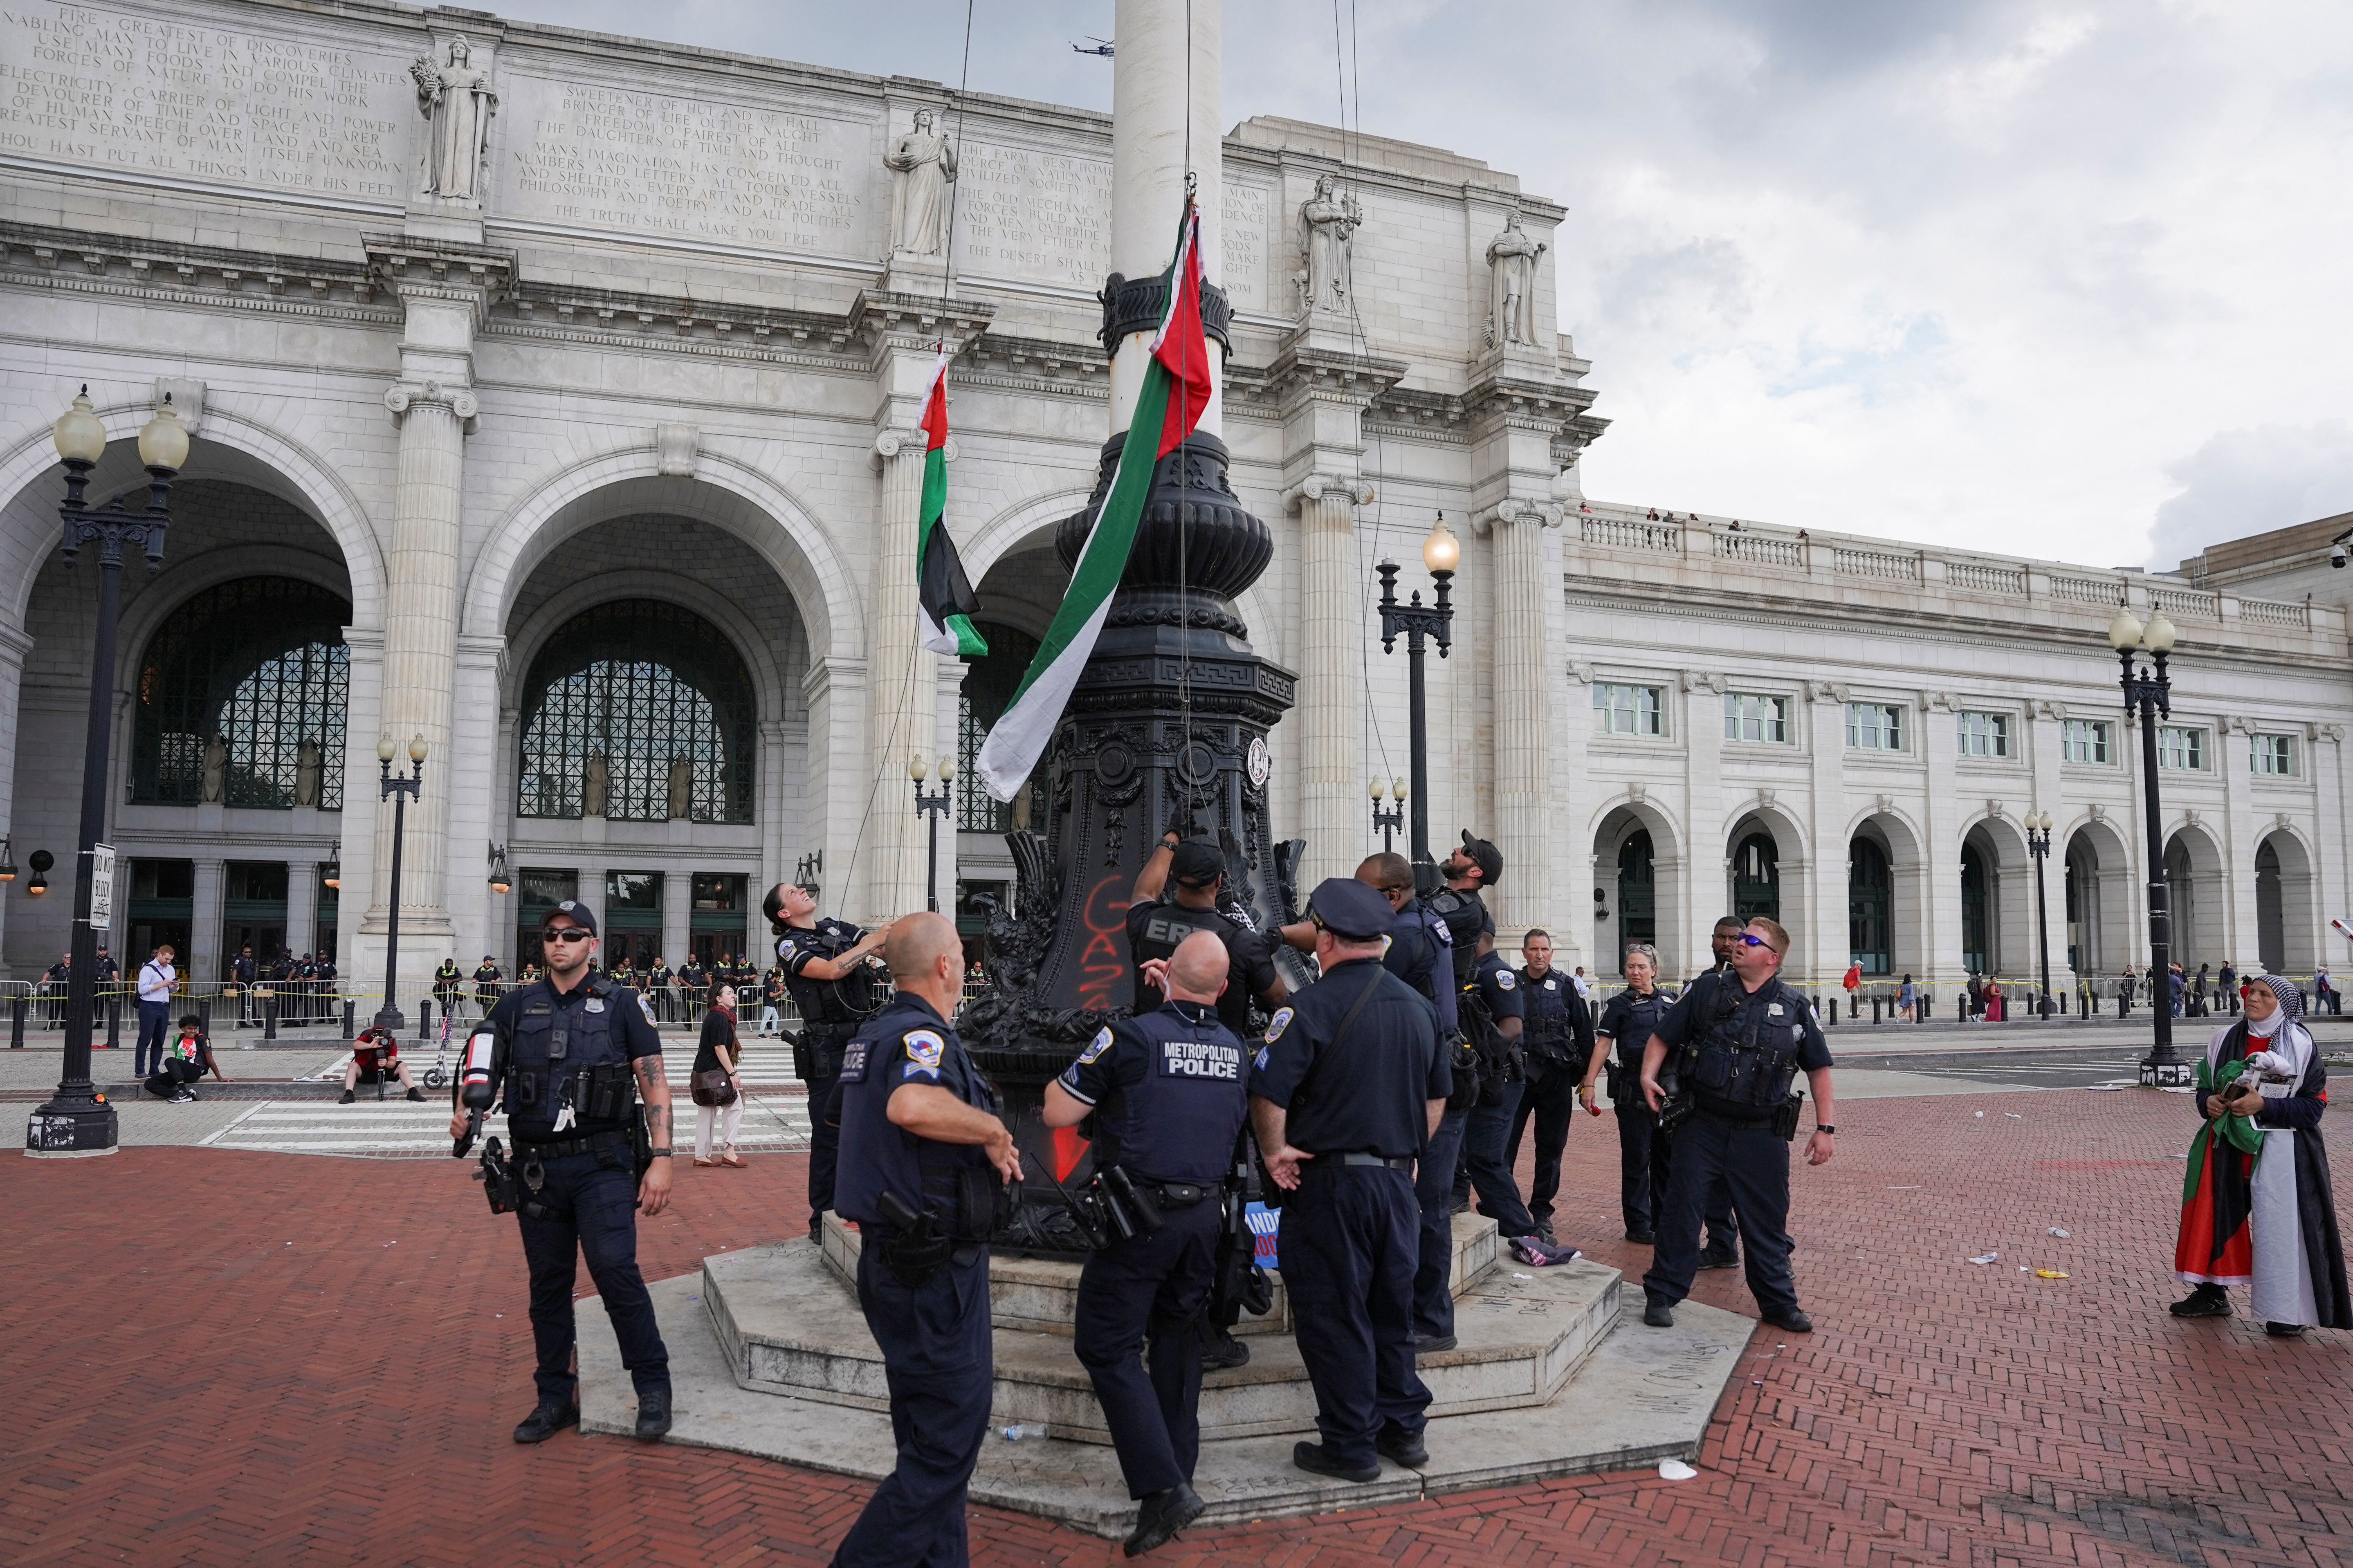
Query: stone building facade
[(555, 400)]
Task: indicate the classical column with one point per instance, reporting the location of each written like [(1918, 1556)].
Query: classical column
[(1528, 894), (302, 907), (205, 959), (13, 646), (1940, 748), (1826, 943), (1326, 725), (1706, 883), (889, 879), (1167, 108)]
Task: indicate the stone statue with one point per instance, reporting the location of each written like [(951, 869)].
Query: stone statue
[(457, 102), (594, 784), (682, 789), (215, 770), (1512, 285), (306, 772), (1328, 221), (925, 162)]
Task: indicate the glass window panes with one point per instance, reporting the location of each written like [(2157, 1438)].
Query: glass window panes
[(542, 888), (718, 891), (2274, 755), (642, 712), (2179, 747), (1750, 716), (244, 688), (1985, 734), (988, 688), (1627, 710), (633, 891), (2084, 741), (1874, 726)]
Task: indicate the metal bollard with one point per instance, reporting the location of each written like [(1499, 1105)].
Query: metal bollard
[(1875, 1009), (350, 1010), (425, 1019), (17, 1005), (205, 1017), (114, 1021), (269, 1016)]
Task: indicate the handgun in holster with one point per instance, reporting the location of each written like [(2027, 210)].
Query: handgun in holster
[(917, 1252), (1239, 1285)]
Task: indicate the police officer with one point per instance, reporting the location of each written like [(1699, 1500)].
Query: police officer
[(1723, 1248), (326, 975), (1469, 872), (576, 1043), (1556, 1042), (1628, 1022), (1503, 1074), (1168, 1096), (55, 977), (1347, 1087), (1159, 917), (1458, 906), (446, 981), (924, 1164), (661, 985), (816, 952), (1742, 1037), (487, 977)]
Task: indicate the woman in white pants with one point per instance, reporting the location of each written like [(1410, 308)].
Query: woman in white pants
[(719, 1052)]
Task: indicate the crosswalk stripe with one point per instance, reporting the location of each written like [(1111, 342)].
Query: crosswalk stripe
[(774, 1122)]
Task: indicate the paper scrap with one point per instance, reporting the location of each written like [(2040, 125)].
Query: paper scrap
[(1988, 1257), (1675, 1470), (2054, 1230)]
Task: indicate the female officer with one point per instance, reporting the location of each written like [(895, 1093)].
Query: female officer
[(1627, 1023)]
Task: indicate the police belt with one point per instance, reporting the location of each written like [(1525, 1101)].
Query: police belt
[(1175, 1195), (1363, 1157), (564, 1148), (1741, 1117)]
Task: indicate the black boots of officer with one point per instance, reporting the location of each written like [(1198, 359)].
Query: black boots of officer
[(1161, 1515), (653, 1419)]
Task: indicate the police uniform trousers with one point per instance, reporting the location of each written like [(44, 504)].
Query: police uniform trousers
[(1754, 1160), (1347, 1242), (937, 1361), (1151, 1287), (590, 1202), (1643, 1165), (1433, 1192), (824, 1122), (1550, 1099), (1485, 1133)]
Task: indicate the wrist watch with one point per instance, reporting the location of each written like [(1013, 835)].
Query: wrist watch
[(660, 1153), (1170, 840), (1825, 1127)]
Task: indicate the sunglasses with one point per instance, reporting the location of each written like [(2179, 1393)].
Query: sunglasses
[(1747, 940), (562, 933)]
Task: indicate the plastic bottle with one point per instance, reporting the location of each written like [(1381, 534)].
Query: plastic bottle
[(1015, 1434)]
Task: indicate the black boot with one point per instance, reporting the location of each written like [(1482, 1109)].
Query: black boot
[(547, 1420), (653, 1413), (2207, 1300), (1221, 1349), (1161, 1515)]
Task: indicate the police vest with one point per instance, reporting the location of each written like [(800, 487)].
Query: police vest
[(1438, 982), (558, 1041), (1638, 1021), (1547, 1031), (820, 1004), (1179, 1123), (1169, 925), (954, 1182), (1465, 916), (1748, 1045)]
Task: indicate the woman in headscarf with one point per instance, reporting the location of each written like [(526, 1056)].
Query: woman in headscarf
[(2256, 1208)]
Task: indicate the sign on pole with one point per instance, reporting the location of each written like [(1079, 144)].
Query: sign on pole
[(102, 887)]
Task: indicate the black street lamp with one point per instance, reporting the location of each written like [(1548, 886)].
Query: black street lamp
[(77, 1120), (2150, 693), (401, 790), (1388, 821), (1441, 553), (935, 806), (2038, 844)]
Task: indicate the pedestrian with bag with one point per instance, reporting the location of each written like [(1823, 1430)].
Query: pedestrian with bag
[(718, 1092), (156, 979)]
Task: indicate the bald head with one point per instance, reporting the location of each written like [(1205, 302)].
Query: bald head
[(1197, 971), (915, 946), (1389, 875)]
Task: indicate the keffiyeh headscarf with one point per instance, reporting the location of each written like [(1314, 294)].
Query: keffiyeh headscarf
[(2291, 1006)]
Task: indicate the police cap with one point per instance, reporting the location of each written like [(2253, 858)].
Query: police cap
[(1350, 911), (1197, 863), (1485, 856), (576, 911)]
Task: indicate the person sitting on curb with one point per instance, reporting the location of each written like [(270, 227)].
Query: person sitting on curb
[(186, 1060), (376, 1050)]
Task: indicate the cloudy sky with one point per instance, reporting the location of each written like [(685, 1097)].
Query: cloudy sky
[(2056, 279)]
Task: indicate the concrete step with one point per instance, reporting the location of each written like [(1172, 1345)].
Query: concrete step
[(791, 1327), (1042, 1294), (1638, 1396)]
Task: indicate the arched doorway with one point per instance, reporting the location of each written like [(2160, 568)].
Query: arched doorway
[(2193, 879), (1636, 894), (1978, 956), (2082, 898), (2271, 942), (2289, 925), (1638, 891), (1870, 907), (1757, 877)]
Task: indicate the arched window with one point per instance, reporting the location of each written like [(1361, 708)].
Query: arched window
[(987, 691), (241, 699), (1638, 891), (638, 711), (1756, 877), (1870, 897)]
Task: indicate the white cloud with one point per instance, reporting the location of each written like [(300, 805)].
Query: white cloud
[(2248, 481)]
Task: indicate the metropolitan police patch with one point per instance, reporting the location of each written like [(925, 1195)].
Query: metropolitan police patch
[(646, 1005), (924, 1049), (1095, 1048), (1275, 1025), (1504, 981)]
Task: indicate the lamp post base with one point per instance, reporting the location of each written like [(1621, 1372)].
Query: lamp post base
[(72, 1130), (389, 1019)]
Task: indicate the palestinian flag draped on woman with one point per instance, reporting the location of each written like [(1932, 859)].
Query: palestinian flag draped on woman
[(943, 592), (1176, 390)]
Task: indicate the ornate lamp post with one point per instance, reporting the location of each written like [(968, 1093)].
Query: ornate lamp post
[(77, 1120), (2150, 692), (933, 806), (401, 791), (2038, 844), (1387, 822), (1441, 553)]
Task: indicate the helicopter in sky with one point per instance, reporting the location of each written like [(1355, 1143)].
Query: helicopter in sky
[(1101, 47)]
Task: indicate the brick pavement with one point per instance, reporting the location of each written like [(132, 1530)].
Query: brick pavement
[(231, 1358)]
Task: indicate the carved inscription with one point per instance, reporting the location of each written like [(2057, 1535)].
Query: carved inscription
[(1242, 246), (1030, 214), (614, 158), (117, 90)]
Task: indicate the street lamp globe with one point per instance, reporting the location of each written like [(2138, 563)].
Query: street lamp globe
[(947, 768), (1378, 789), (2124, 632), (163, 441), (2159, 635), (1442, 552), (383, 747), (79, 434), (917, 768), (1397, 788), (416, 748)]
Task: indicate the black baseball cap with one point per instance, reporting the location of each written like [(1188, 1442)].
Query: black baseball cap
[(1346, 908), (576, 911), (1197, 863), (1485, 856)]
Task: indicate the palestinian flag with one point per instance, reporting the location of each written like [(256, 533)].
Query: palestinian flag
[(941, 590), (1175, 391)]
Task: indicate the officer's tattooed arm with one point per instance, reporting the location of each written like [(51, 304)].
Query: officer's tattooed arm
[(653, 1188)]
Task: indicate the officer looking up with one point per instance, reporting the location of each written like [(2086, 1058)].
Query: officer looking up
[(576, 1044), (1741, 1038), (1628, 1022), (1557, 1040), (814, 954), (1419, 953), (1723, 1248), (923, 1169), (1158, 919), (1468, 872), (1167, 1093), (1348, 1085)]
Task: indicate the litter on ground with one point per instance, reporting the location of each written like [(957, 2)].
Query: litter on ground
[(1675, 1470), (1988, 1257)]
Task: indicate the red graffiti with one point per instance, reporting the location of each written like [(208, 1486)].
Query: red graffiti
[(1069, 1149), (1102, 963)]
